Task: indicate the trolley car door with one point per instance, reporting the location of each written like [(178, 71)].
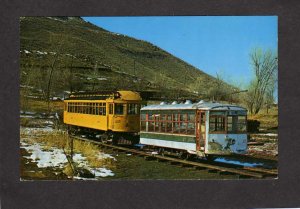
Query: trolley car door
[(110, 116), (200, 130)]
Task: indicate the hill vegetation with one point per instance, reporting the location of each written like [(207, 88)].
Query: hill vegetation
[(79, 56)]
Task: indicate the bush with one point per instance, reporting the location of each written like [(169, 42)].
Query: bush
[(253, 126)]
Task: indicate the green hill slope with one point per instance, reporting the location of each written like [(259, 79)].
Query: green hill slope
[(86, 57)]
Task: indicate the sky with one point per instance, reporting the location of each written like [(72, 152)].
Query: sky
[(213, 44)]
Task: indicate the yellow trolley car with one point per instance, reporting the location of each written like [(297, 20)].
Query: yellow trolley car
[(110, 114)]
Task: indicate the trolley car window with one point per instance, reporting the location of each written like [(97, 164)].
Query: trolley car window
[(143, 125), (84, 108), (119, 109), (236, 123), (176, 124), (111, 108), (72, 107), (143, 122), (90, 108), (151, 122), (230, 127), (96, 108), (217, 123), (150, 116), (157, 123), (173, 122), (169, 127), (241, 124), (80, 108), (87, 108), (133, 109), (102, 109), (151, 126), (202, 115), (143, 117)]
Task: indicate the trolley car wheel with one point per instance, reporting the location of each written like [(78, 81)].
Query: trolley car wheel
[(183, 155), (115, 140), (104, 138), (161, 151)]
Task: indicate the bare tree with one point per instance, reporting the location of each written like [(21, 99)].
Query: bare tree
[(270, 97), (219, 90), (68, 75), (265, 68), (54, 64), (27, 78), (94, 76), (52, 68)]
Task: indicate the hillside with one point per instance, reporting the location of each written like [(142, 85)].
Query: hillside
[(87, 57)]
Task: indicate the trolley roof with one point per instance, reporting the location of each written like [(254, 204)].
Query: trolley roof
[(101, 95), (200, 105)]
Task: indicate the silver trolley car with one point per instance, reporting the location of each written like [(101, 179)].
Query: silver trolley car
[(205, 129)]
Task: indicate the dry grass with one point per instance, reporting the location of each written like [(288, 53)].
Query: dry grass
[(34, 105), (91, 152), (267, 120), (25, 122), (68, 170), (62, 140)]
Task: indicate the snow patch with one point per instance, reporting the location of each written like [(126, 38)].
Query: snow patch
[(268, 134), (32, 97), (42, 53), (102, 79), (27, 112), (26, 116), (102, 172), (53, 158), (235, 162), (25, 86), (102, 155), (36, 131), (53, 18), (48, 122)]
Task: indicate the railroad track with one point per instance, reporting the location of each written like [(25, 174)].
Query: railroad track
[(241, 171)]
